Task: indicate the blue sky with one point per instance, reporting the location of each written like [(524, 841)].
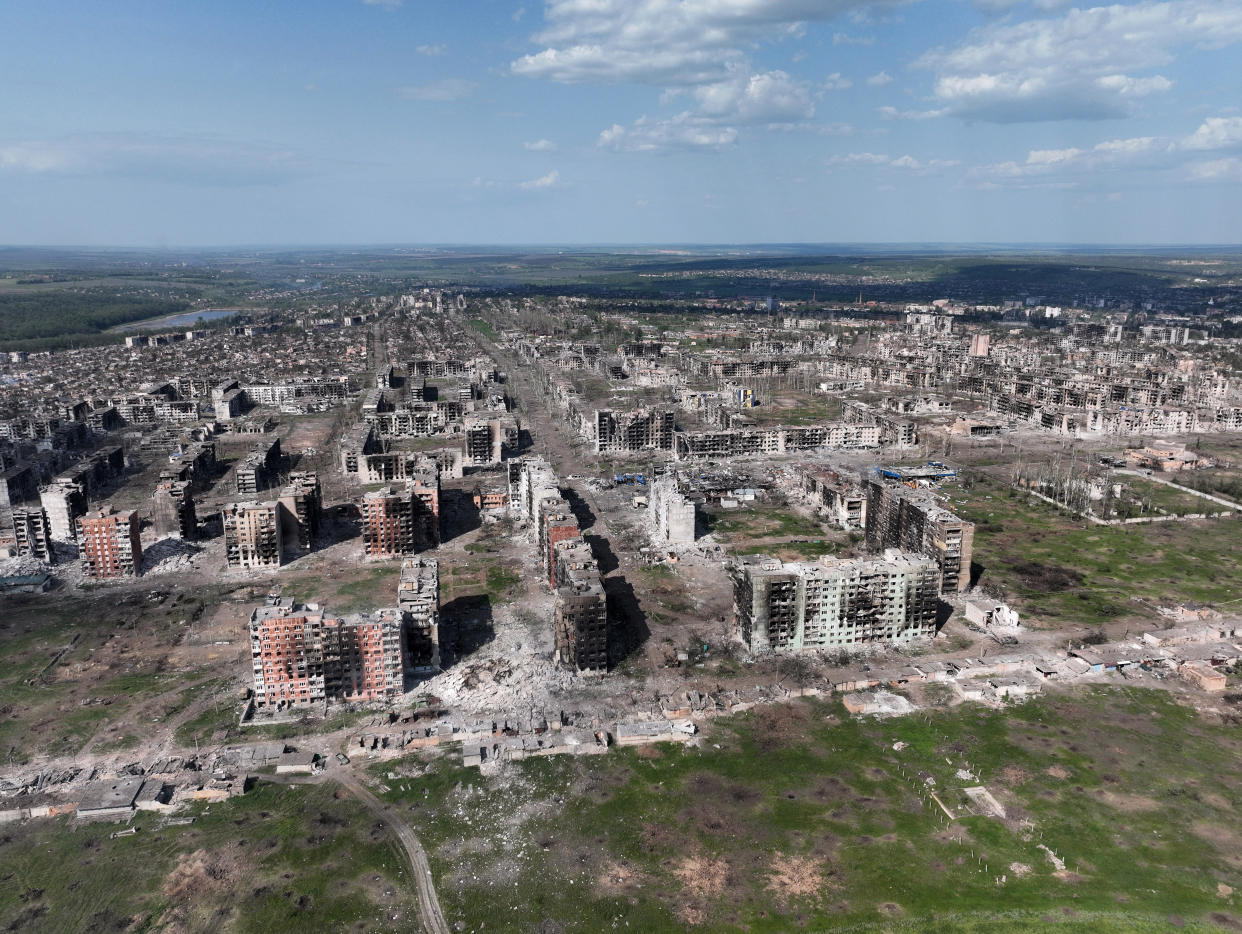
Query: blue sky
[(602, 121)]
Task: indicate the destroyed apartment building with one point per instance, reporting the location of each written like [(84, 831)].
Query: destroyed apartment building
[(304, 658), (110, 544), (580, 616), (301, 510), (259, 469), (253, 535), (644, 429), (418, 597), (842, 498), (914, 520), (172, 510), (670, 514), (834, 603), (741, 442), (32, 534), (405, 519)]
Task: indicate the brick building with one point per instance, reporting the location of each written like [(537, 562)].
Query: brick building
[(109, 542)]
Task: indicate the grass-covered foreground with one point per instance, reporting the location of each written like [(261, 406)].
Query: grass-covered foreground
[(800, 818), (279, 859)]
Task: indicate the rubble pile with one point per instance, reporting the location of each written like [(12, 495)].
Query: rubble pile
[(169, 556)]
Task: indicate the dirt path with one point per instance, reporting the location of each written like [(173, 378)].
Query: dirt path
[(428, 903), (140, 713)]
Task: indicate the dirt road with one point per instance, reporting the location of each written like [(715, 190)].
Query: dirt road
[(428, 905)]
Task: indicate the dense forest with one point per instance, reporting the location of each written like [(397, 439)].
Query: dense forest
[(57, 319)]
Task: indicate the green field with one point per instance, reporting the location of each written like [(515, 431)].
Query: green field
[(1059, 570), (799, 817), (278, 858)]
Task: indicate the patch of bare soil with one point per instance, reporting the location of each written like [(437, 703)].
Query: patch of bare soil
[(1057, 771), (658, 837), (1131, 804), (1227, 841), (691, 915), (1012, 776), (196, 886), (618, 879), (791, 878), (703, 874), (781, 725)]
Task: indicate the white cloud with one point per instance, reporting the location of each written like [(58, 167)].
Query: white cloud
[(880, 79), (662, 41), (446, 89), (892, 113), (695, 48), (551, 180), (1216, 133), (899, 162), (541, 145), (1149, 153), (834, 82), (386, 4), (1079, 65), (1216, 170), (430, 50), (841, 38), (518, 14), (684, 131), (199, 161), (772, 97)]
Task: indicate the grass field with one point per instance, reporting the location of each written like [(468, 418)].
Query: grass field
[(484, 328), (55, 708), (278, 858), (1058, 570), (798, 817), (760, 521)]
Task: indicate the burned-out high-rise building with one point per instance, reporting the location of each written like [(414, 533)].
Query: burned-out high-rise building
[(110, 545), (418, 598), (899, 516), (32, 533), (252, 535), (834, 602), (301, 508), (400, 521), (172, 510)]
